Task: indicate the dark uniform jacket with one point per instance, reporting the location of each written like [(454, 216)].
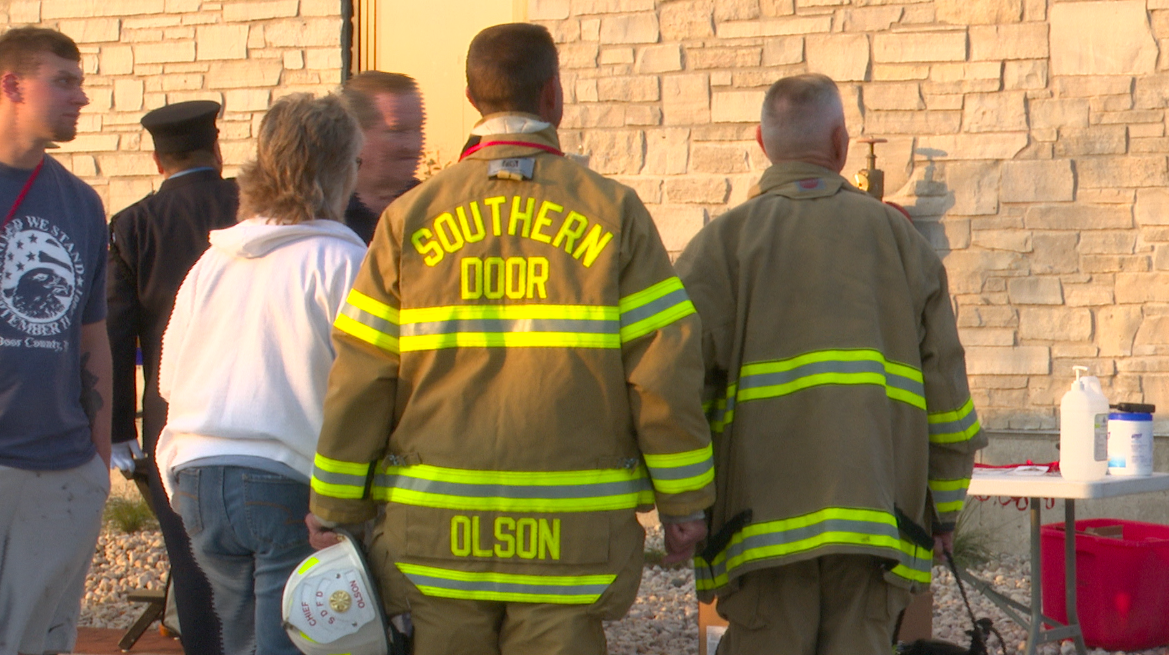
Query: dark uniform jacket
[(153, 243), (362, 219)]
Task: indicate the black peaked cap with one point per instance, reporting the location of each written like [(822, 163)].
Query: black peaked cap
[(183, 126)]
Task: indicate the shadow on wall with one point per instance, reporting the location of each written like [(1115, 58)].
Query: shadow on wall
[(927, 198)]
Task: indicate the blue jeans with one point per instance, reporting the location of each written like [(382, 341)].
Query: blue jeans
[(248, 534)]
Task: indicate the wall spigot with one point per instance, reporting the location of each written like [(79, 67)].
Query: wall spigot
[(872, 179)]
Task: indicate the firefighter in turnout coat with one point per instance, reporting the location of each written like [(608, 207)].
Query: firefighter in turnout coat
[(836, 386), (518, 370)]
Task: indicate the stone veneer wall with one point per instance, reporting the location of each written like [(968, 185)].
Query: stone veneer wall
[(1026, 137), (138, 55)]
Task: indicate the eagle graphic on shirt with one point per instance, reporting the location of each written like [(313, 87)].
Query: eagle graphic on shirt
[(39, 277)]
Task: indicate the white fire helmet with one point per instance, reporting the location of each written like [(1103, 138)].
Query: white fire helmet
[(331, 605)]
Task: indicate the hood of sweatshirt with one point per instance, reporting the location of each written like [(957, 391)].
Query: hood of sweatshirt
[(256, 237)]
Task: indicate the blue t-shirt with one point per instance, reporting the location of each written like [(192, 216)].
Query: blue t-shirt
[(52, 281)]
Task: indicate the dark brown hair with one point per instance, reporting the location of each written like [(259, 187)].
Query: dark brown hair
[(174, 162), (508, 66), (20, 46), (359, 92)]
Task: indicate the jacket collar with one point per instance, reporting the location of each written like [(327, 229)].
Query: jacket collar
[(190, 178), (799, 179), (508, 123), (542, 138)]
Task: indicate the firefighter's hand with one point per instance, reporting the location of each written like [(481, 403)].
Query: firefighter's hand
[(681, 538), (943, 543), (320, 536), (123, 454)]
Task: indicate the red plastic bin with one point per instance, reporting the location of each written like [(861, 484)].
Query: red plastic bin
[(1122, 584)]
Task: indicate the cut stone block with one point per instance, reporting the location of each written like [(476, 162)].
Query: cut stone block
[(919, 47), (1079, 46), (1037, 181), (843, 57), (1019, 360), (1035, 291), (979, 12), (630, 28), (1077, 217)]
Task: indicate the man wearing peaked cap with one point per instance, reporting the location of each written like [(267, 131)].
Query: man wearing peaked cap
[(153, 243), (183, 127)]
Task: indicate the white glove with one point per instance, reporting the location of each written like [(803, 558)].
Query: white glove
[(123, 454)]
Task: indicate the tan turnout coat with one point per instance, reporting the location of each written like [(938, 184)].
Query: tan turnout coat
[(518, 369), (836, 384)]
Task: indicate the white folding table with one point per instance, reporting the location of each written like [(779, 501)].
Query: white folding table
[(1035, 487)]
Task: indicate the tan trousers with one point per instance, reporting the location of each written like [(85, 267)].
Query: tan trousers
[(444, 626), (831, 605)]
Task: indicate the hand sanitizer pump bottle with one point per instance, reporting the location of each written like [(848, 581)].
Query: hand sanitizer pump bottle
[(1083, 430)]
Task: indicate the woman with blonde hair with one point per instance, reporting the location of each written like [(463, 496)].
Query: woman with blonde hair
[(245, 361)]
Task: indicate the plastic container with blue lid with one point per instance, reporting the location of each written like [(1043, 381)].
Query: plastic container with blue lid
[(1130, 442)]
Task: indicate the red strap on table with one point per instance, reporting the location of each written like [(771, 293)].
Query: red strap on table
[(1020, 503), (483, 144), (23, 192), (1052, 467)]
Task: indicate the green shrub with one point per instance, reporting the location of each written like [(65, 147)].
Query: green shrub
[(972, 539), (129, 515)]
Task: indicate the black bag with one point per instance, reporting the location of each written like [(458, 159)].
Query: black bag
[(979, 632)]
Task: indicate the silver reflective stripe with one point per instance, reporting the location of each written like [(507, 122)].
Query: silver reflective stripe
[(495, 325), (706, 575), (766, 539), (329, 477), (904, 383), (491, 587), (941, 497), (718, 415), (369, 320), (922, 564), (681, 472), (955, 427), (649, 309), (814, 368), (513, 491)]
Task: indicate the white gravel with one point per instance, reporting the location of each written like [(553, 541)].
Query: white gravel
[(663, 620), (122, 563)]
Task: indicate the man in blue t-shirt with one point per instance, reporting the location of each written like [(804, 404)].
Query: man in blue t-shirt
[(54, 352)]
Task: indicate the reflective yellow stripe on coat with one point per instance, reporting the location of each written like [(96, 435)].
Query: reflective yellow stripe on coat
[(681, 472), (369, 320), (514, 491), (773, 379), (949, 495), (339, 479), (956, 426), (833, 526), (510, 326), (514, 326), (720, 413), (506, 587), (653, 308)]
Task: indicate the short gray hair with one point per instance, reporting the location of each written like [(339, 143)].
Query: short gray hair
[(799, 113), (306, 161)]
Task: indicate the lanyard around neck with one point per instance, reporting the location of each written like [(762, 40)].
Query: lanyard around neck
[(23, 192), (483, 144)]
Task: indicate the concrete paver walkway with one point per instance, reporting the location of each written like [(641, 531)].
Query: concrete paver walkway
[(100, 641)]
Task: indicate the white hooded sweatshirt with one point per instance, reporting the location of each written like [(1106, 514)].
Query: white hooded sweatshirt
[(247, 352)]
